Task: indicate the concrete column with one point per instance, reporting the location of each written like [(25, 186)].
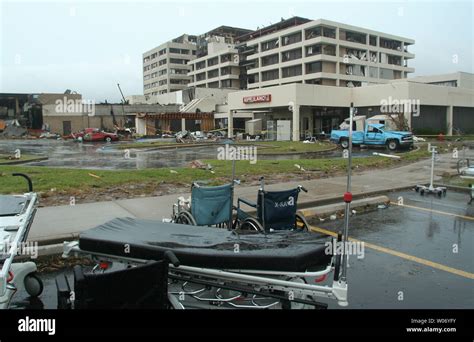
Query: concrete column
[(183, 124), (296, 123), (449, 120), (230, 124)]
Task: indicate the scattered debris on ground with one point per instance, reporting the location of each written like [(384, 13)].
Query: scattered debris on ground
[(339, 214), (52, 263), (14, 131), (198, 164), (112, 193)]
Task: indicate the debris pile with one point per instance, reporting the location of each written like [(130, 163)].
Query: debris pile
[(13, 129)]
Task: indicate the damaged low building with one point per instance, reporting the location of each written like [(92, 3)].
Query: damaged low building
[(22, 113), (108, 117)]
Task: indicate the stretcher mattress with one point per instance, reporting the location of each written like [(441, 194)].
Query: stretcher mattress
[(11, 205), (207, 247)]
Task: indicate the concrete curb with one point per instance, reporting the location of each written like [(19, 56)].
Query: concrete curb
[(335, 207), (455, 187), (20, 162), (355, 196)]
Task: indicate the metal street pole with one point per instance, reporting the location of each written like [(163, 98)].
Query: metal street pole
[(347, 197)]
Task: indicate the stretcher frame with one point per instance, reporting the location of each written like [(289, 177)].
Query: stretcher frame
[(257, 282), (12, 275)]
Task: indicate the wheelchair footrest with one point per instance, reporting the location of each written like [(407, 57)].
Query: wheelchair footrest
[(64, 292)]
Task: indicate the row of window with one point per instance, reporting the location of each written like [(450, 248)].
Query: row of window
[(329, 32), (165, 82), (164, 61), (298, 53), (329, 50), (214, 73), (315, 67), (154, 55), (215, 60), (291, 71), (223, 84), (173, 71), (171, 50)]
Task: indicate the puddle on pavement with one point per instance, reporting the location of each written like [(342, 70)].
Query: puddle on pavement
[(72, 154)]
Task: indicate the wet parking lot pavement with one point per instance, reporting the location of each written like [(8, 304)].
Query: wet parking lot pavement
[(99, 155), (416, 256), (410, 256)]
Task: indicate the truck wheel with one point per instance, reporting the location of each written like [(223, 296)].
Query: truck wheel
[(392, 145), (344, 143), (108, 139)]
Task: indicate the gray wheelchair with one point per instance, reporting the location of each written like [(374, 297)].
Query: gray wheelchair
[(209, 206), (273, 211)]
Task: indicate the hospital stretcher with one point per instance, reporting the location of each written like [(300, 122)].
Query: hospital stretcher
[(239, 270), (16, 217)]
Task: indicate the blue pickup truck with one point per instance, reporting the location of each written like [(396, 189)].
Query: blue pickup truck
[(374, 135)]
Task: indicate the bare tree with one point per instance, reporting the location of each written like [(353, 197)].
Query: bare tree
[(400, 121)]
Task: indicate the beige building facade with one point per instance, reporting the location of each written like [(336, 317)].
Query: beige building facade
[(165, 68), (327, 53), (316, 109)]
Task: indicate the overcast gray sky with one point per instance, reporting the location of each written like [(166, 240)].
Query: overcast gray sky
[(90, 46)]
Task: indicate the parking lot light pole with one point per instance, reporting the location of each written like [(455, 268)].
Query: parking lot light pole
[(347, 197)]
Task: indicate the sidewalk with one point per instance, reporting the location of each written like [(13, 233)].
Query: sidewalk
[(65, 222)]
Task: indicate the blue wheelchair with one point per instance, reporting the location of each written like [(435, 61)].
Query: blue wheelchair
[(275, 210), (209, 206)]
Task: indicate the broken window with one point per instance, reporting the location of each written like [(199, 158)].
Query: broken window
[(212, 61), (329, 32), (200, 65), (201, 76), (269, 60), (390, 44), (272, 44), (354, 37), (373, 40), (291, 39), (291, 55), (270, 75), (313, 67), (213, 73), (291, 71), (394, 60), (313, 32)]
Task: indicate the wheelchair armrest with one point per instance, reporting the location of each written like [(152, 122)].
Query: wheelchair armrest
[(302, 188), (197, 184), (248, 202)]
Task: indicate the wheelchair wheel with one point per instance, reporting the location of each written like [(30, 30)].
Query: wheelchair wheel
[(33, 285), (185, 217), (250, 225), (301, 224)]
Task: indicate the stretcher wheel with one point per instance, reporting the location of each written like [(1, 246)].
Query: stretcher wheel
[(251, 225), (185, 217), (301, 223), (33, 285)]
